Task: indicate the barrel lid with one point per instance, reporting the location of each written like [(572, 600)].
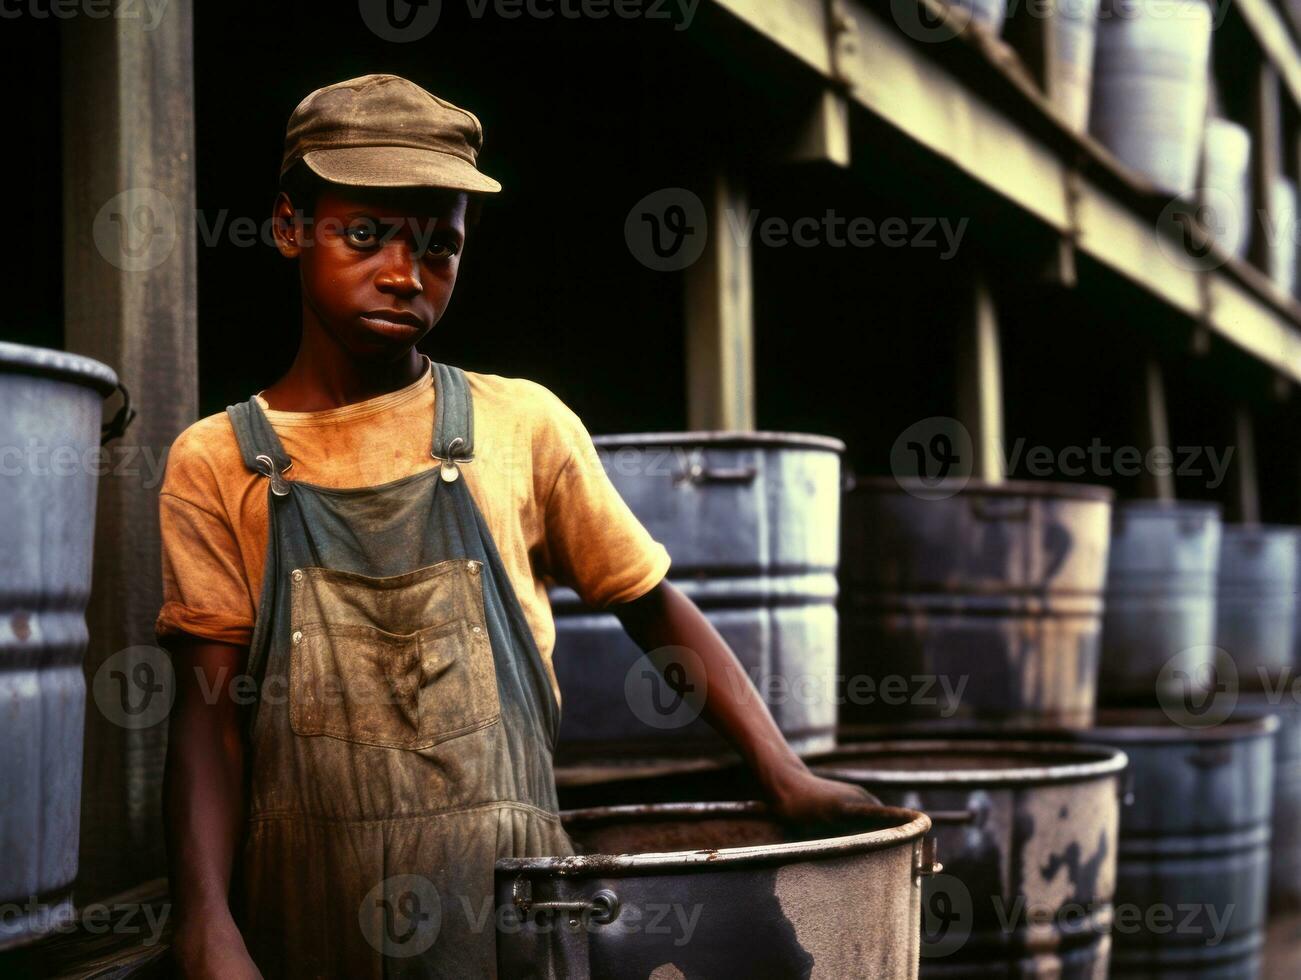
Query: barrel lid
[(903, 826), (1110, 726), (74, 368), (938, 761), (721, 440), (1008, 488)]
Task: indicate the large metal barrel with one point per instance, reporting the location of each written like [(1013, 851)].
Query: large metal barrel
[(1027, 834), (1285, 847), (1151, 85), (1075, 25), (1194, 846), (752, 523), (1227, 183), (1160, 610), (715, 890), (985, 604), (50, 408), (1255, 616)]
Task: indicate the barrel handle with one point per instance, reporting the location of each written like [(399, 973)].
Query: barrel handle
[(602, 908), (927, 866), (1015, 509), (698, 472), (117, 425), (956, 817)]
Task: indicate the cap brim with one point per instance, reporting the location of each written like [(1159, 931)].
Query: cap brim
[(398, 166)]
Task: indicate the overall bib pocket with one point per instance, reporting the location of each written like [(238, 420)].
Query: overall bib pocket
[(402, 662)]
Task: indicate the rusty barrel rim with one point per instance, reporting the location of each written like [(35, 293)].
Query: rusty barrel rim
[(975, 487), (57, 364), (720, 439), (1148, 725), (912, 826), (1084, 761)]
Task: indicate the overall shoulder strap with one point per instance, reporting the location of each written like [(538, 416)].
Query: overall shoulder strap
[(453, 415), (256, 437)]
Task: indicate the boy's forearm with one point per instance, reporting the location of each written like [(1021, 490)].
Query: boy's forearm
[(665, 617), (204, 782)]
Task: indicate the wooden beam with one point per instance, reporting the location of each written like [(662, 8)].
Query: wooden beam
[(980, 382), (1246, 486), (129, 300), (1154, 431), (1266, 165), (720, 314), (823, 133)]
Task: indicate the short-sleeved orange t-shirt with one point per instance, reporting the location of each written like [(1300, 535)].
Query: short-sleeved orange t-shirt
[(536, 478)]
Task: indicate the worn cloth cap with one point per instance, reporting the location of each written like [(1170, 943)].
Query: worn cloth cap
[(384, 131)]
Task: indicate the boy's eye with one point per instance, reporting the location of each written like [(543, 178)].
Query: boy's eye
[(361, 233), (440, 250)]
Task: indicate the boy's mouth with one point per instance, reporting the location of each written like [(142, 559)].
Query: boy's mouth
[(395, 323)]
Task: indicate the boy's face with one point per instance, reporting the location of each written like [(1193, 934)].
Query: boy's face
[(377, 267)]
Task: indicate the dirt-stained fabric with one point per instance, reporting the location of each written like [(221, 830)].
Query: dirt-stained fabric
[(404, 729)]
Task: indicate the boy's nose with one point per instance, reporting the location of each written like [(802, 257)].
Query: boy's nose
[(401, 273)]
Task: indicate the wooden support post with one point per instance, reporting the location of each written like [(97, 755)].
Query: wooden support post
[(1154, 431), (129, 297), (720, 316), (823, 134), (1246, 502), (1266, 165), (980, 383)]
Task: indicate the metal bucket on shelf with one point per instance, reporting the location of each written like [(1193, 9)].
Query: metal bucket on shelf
[(50, 408), (1160, 603), (1283, 231), (752, 523), (1227, 184), (733, 894), (1075, 24), (1255, 615), (1027, 833), (990, 599), (1151, 87)]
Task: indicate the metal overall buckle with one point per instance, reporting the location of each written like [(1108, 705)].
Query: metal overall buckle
[(278, 485), (449, 470)]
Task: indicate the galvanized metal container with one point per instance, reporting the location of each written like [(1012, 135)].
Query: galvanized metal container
[(1285, 844), (985, 604), (1160, 608), (1075, 25), (1194, 846), (50, 408), (715, 890), (752, 523), (1151, 86), (1027, 833), (1227, 195), (1255, 618), (1282, 231)]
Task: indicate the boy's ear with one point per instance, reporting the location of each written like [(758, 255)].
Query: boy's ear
[(287, 227)]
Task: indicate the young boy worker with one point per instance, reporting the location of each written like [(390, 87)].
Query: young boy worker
[(366, 539)]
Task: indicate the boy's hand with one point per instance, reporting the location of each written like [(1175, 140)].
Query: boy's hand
[(213, 951), (804, 798)]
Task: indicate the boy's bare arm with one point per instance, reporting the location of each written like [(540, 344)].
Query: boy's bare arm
[(203, 799), (664, 617)]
